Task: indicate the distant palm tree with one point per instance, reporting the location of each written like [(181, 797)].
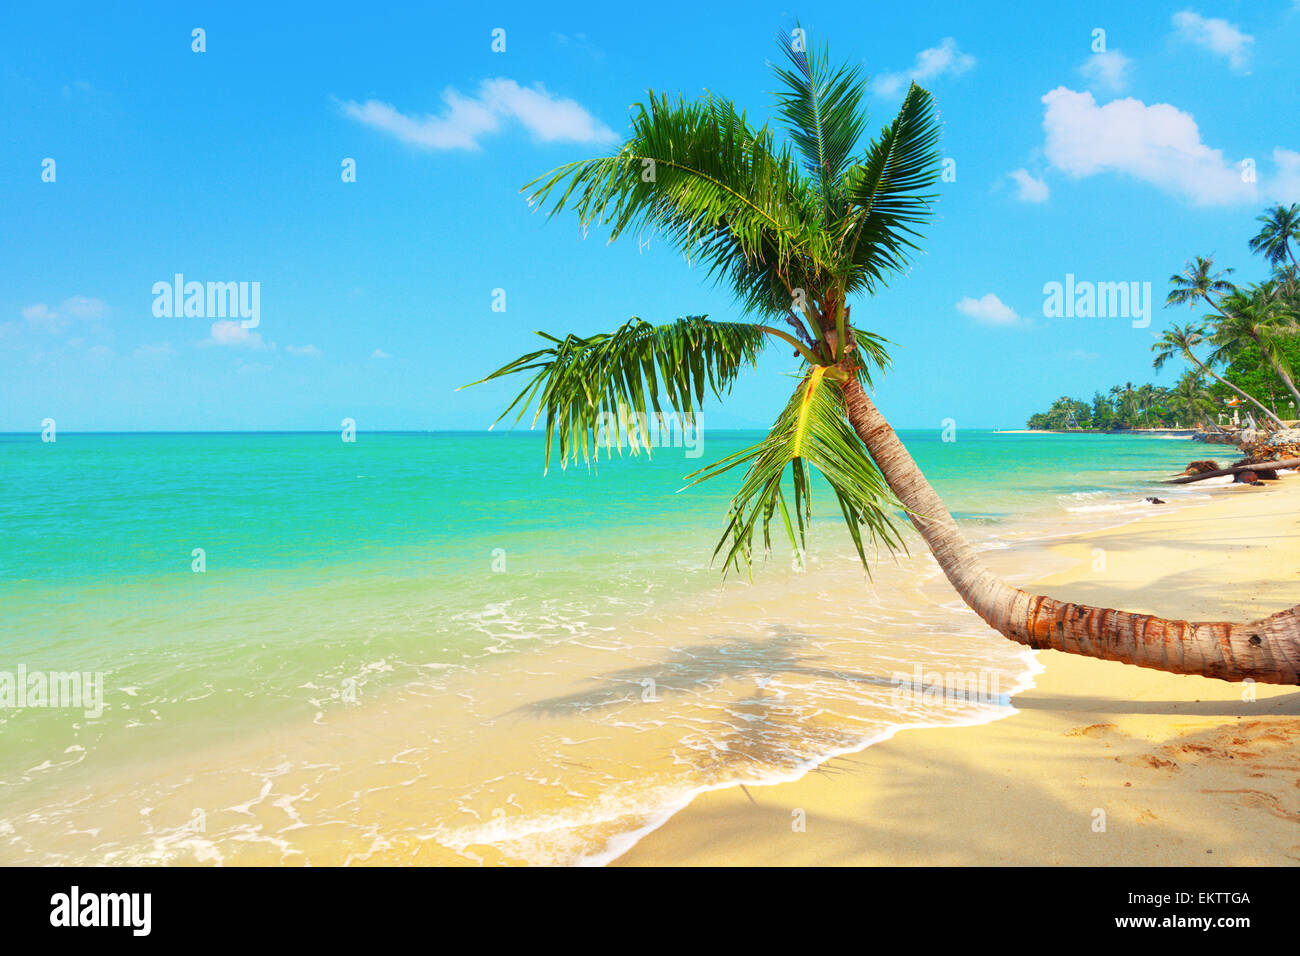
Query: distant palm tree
[(1127, 406), (796, 228), (1189, 398), (1145, 399), (1281, 228), (1181, 340), (1258, 316), (1198, 282)]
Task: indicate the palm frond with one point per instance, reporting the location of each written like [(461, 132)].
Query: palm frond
[(822, 112), (697, 174), (885, 193), (811, 433), (588, 385)]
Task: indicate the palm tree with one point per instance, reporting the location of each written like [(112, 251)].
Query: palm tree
[(1281, 228), (1198, 281), (1181, 340), (796, 228), (1147, 397), (1257, 316), (1190, 398), (1128, 406)]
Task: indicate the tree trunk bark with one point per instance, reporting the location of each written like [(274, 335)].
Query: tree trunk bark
[(1267, 650)]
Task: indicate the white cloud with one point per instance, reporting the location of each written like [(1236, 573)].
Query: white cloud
[(82, 307), (1158, 144), (1028, 187), (42, 318), (988, 310), (1286, 187), (930, 64), (158, 350), (380, 354), (308, 350), (1216, 35), (1107, 71), (465, 119), (230, 333)]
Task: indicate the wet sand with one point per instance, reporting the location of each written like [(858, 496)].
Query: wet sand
[(1103, 763)]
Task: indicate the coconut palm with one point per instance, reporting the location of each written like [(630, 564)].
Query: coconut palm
[(798, 225), (1182, 340), (1281, 227), (1199, 282), (1261, 316), (1189, 398)]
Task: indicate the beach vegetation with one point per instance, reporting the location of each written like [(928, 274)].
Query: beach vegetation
[(804, 216)]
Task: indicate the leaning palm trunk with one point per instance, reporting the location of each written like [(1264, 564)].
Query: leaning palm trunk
[(1269, 358), (1250, 398), (796, 226), (1286, 379), (1267, 650)]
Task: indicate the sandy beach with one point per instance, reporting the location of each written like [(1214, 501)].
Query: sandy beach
[(1101, 764)]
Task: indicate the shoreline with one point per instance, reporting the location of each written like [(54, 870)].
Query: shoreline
[(1147, 749), (765, 686), (1144, 432)]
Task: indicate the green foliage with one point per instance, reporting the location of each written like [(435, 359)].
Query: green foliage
[(583, 383), (1251, 373), (733, 197), (1124, 407), (1252, 332), (811, 431), (794, 227)]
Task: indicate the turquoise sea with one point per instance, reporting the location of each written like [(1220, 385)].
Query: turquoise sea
[(416, 648)]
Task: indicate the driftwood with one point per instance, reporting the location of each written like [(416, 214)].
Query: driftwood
[(1270, 465)]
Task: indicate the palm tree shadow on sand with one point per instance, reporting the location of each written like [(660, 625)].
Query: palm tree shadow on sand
[(751, 735)]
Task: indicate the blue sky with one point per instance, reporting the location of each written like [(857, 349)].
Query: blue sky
[(376, 295)]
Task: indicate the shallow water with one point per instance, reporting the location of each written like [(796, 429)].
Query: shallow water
[(415, 648)]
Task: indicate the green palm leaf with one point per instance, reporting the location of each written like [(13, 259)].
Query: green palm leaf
[(886, 193), (700, 176), (584, 385), (811, 433), (822, 111)]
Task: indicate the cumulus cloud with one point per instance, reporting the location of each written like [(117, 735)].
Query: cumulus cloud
[(1158, 144), (380, 354), (1029, 188), (157, 350), (308, 350), (230, 333), (1285, 188), (1107, 71), (466, 119), (988, 310), (930, 64), (1216, 35), (42, 318)]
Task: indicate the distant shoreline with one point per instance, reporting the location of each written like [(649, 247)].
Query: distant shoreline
[(1163, 432)]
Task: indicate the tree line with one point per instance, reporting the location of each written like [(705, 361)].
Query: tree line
[(1243, 353)]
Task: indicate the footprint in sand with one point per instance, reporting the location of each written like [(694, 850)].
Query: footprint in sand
[(1258, 800), (1150, 762), (1093, 730)]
